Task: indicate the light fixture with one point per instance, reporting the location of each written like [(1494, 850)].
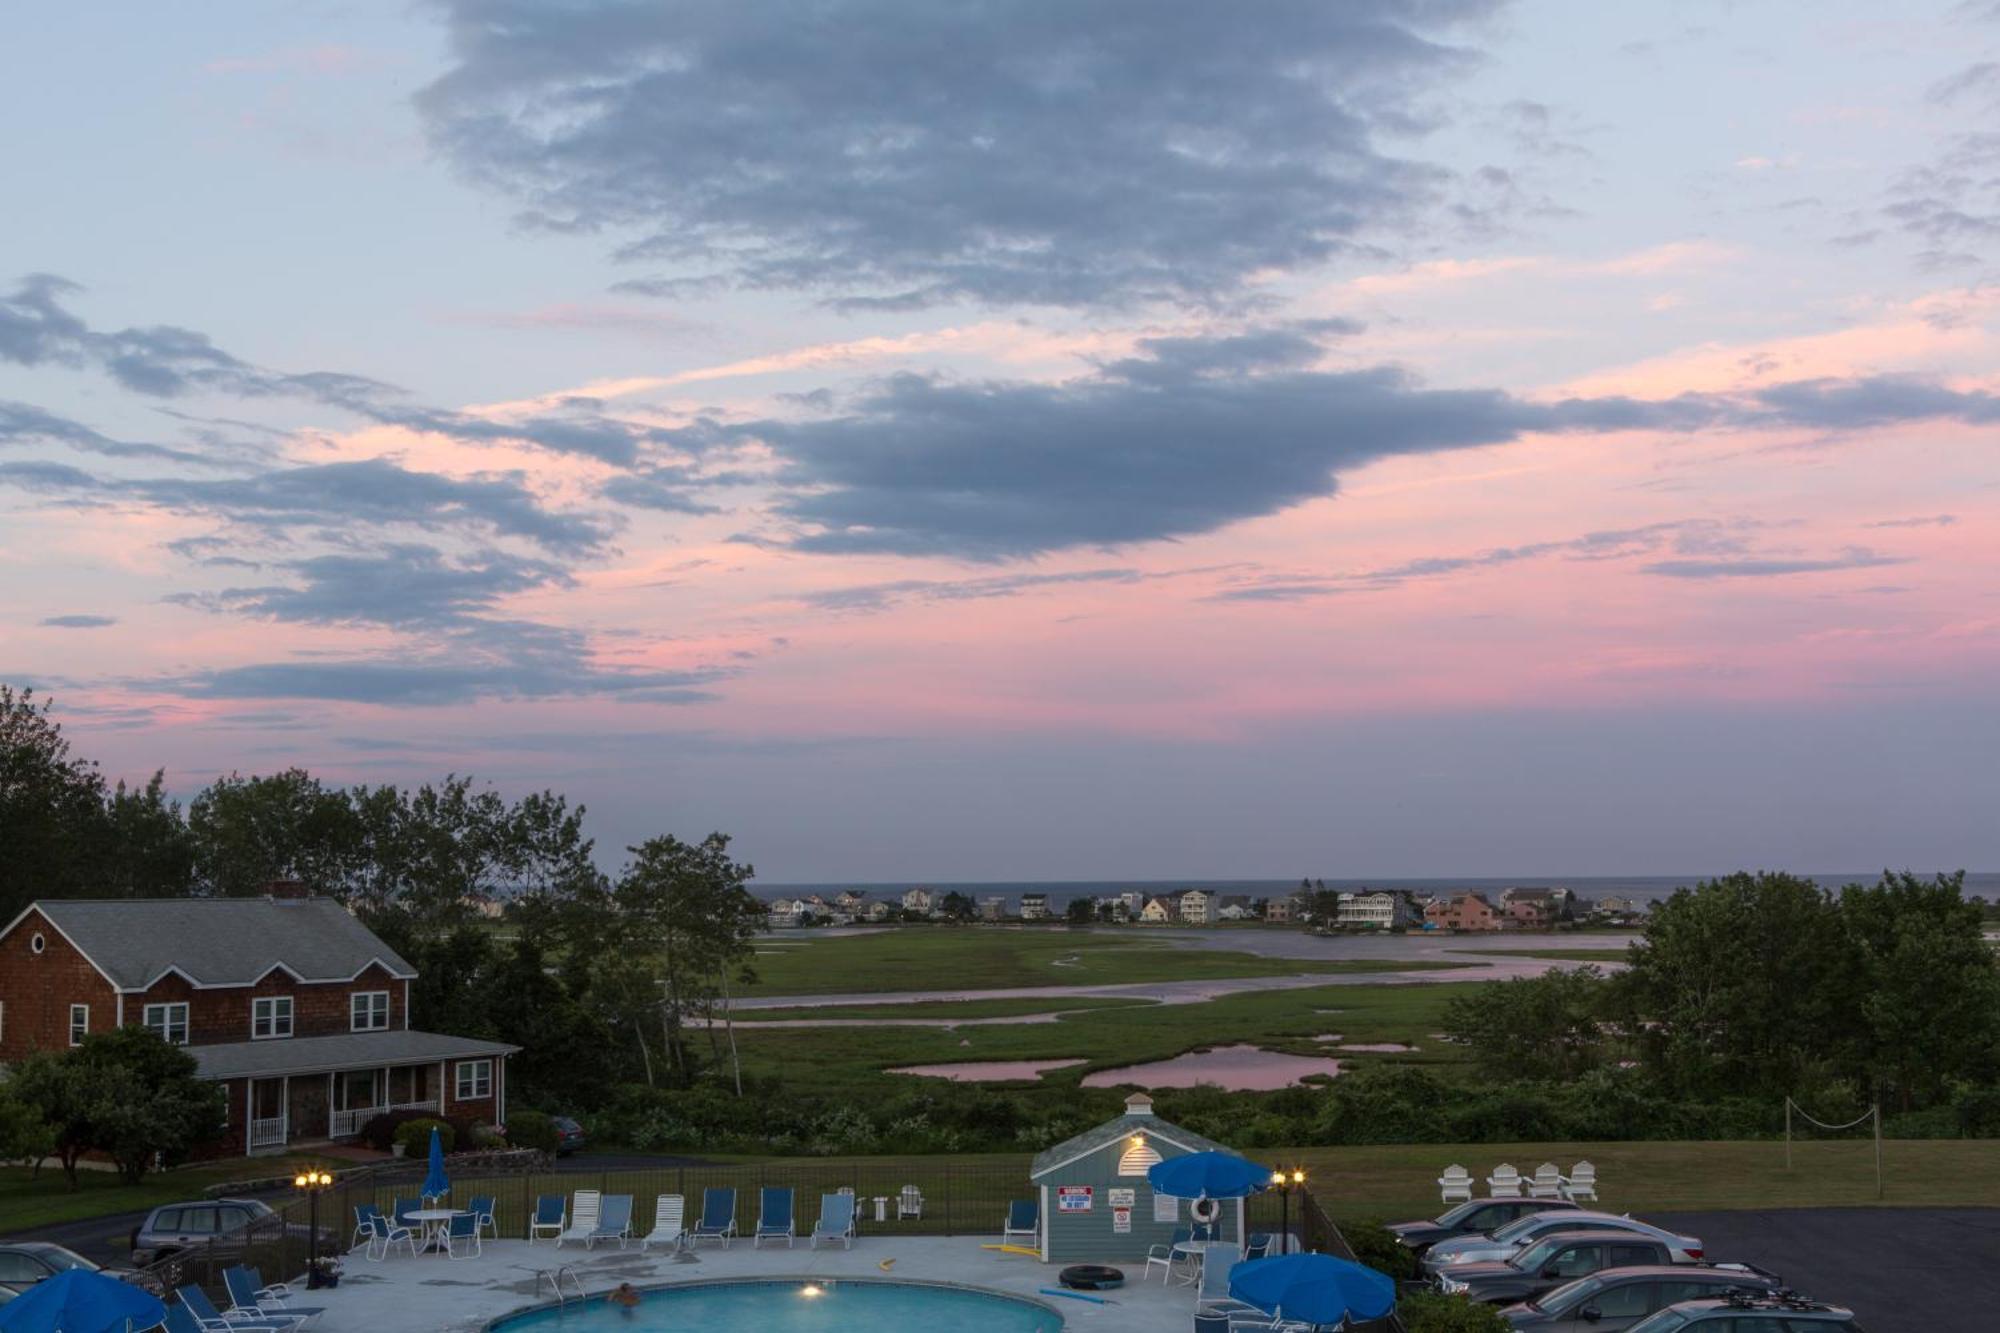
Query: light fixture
[(810, 1290), (1278, 1179), (1138, 1140), (1299, 1176)]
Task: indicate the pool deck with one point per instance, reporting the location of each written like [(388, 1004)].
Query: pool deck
[(461, 1295)]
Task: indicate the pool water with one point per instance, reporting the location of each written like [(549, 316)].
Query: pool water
[(799, 1307)]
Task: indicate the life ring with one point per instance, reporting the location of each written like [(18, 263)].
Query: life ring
[(1091, 1277), (1205, 1211)]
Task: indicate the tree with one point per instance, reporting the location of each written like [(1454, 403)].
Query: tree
[(162, 1110), (148, 851), (248, 832), (1548, 1027), (24, 1135), (1081, 911), (956, 906), (70, 1098), (51, 808)]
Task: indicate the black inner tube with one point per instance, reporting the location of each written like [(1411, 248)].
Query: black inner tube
[(1091, 1277)]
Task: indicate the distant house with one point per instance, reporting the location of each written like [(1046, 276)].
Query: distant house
[(879, 910), (993, 907), (1375, 911), (1235, 912), (294, 1006), (850, 900), (1158, 911), (1528, 909), (486, 905), (1034, 907), (1616, 905), (917, 902), (1463, 911), (1197, 907), (782, 913), (1277, 909)]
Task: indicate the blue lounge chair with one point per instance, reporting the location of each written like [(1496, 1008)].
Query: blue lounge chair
[(461, 1236), (718, 1216), (548, 1218), (774, 1216), (836, 1220), (212, 1320), (481, 1207), (614, 1221), (1024, 1218), (248, 1296)]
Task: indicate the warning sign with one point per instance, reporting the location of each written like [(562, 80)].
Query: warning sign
[(1120, 1198), (1073, 1198), (1121, 1220)]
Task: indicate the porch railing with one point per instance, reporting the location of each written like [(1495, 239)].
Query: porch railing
[(267, 1131), (346, 1124)]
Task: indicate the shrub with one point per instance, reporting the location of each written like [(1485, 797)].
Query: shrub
[(532, 1129), (415, 1135), (1377, 1246), (378, 1132), (1434, 1312)]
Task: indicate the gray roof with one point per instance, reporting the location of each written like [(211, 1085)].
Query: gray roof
[(1113, 1131), (346, 1050), (220, 941)]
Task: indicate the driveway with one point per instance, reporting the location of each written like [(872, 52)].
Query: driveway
[(1901, 1270)]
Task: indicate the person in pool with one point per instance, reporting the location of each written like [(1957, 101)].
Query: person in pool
[(626, 1297)]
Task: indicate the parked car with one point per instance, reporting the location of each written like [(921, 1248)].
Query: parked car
[(1782, 1312), (1548, 1263), (569, 1135), (1617, 1298), (23, 1263), (1522, 1230), (221, 1227), (1476, 1217)]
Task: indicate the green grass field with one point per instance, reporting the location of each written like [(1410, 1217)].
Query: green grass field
[(987, 958), (953, 1010), (1564, 955), (27, 1202)]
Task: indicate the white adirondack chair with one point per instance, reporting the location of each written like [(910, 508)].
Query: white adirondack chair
[(1547, 1182), (1455, 1184), (1505, 1182), (1581, 1183)]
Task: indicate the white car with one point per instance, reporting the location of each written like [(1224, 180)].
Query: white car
[(1501, 1244)]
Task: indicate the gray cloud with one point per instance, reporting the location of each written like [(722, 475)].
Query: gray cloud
[(24, 423), (408, 682), (1853, 557), (405, 586), (881, 596), (79, 622), (906, 154), (1924, 521)]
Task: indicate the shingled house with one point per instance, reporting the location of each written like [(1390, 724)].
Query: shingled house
[(288, 1001)]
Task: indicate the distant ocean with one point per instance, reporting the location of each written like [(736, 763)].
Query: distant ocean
[(1982, 884)]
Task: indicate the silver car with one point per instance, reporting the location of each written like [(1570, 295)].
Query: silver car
[(1498, 1246), (1617, 1298)]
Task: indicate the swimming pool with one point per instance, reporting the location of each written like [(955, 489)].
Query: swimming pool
[(828, 1306)]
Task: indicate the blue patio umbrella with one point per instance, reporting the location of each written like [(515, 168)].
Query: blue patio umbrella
[(77, 1300), (436, 1185), (1207, 1175), (1313, 1288)]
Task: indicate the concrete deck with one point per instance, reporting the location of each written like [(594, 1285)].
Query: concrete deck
[(431, 1292)]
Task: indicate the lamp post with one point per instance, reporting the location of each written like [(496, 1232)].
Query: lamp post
[(1284, 1184), (312, 1183)]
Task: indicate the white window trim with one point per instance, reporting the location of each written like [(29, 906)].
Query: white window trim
[(475, 1068), (167, 1023), (74, 1010), (355, 1012), (273, 1001)]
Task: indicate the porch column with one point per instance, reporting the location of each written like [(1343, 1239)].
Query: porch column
[(249, 1110), (329, 1103)]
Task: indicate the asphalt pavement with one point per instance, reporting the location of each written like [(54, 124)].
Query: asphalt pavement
[(1901, 1270)]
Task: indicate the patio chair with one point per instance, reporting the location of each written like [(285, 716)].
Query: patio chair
[(774, 1216), (362, 1212), (582, 1217), (400, 1214), (1164, 1256), (246, 1297), (547, 1219), (461, 1236), (836, 1220), (212, 1320), (1581, 1183), (481, 1207), (910, 1203), (1258, 1246), (1455, 1185), (1024, 1219), (1546, 1183), (385, 1235), (279, 1291), (669, 1216), (718, 1216), (614, 1222), (1504, 1183)]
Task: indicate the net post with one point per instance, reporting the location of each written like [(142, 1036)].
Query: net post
[(1878, 1152), (1788, 1133)]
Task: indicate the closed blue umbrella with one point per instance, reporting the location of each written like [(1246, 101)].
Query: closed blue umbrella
[(77, 1300), (1207, 1175), (1313, 1288), (436, 1185)]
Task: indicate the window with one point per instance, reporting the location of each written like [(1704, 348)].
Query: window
[(167, 1219), (170, 1021), (197, 1222), (235, 1219), (1626, 1302), (1623, 1255), (79, 1023), (475, 1079), (37, 943), (1139, 1157), (1575, 1263), (368, 1010), (271, 1017), (16, 1267)]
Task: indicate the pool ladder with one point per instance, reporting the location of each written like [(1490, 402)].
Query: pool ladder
[(554, 1278)]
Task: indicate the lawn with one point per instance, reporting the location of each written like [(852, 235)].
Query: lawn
[(27, 1203), (952, 1010), (996, 958), (1564, 955)]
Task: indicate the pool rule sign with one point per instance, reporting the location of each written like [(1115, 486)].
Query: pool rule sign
[(1120, 1202), (1073, 1198)]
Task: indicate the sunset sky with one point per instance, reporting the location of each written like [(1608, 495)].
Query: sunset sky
[(1033, 440)]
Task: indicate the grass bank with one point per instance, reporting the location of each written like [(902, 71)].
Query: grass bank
[(27, 1202)]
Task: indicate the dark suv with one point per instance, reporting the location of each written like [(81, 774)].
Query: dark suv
[(1783, 1312), (1476, 1215), (1549, 1262), (1617, 1298), (222, 1228)]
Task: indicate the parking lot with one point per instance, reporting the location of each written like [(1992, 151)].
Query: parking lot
[(1901, 1270)]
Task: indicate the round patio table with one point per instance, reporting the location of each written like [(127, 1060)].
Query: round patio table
[(435, 1222), (1196, 1253)]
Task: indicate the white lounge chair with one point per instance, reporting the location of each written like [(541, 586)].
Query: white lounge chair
[(1547, 1182), (1581, 1183), (836, 1220), (1505, 1182), (582, 1218), (910, 1203), (1165, 1255), (1455, 1184), (669, 1218), (614, 1221)]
